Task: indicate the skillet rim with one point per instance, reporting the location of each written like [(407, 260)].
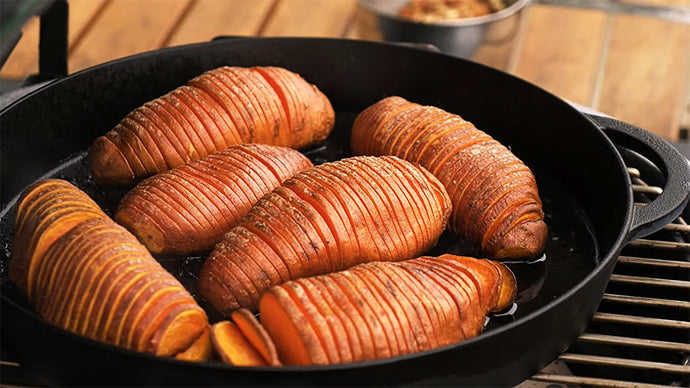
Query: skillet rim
[(603, 265)]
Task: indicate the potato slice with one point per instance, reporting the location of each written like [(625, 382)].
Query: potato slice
[(200, 350), (256, 335), (290, 329), (233, 347)]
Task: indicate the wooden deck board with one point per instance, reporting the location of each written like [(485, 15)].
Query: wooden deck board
[(23, 61), (563, 60), (24, 58), (631, 67), (127, 27), (311, 18), (645, 78), (82, 13), (208, 19)]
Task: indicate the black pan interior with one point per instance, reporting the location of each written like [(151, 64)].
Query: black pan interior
[(577, 169)]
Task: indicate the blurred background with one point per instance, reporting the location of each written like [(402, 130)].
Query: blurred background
[(626, 58)]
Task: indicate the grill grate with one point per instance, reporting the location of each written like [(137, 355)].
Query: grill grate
[(640, 336)]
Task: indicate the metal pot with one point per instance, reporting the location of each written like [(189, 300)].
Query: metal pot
[(580, 173), (459, 37)]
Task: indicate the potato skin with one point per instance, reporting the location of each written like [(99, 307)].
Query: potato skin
[(496, 203), (217, 109), (189, 208)]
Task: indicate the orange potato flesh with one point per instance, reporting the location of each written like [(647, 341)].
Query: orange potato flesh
[(507, 287), (405, 333), (341, 326), (380, 308), (179, 330), (256, 335), (362, 331), (417, 312), (368, 308), (200, 350), (233, 347), (292, 335), (318, 322)]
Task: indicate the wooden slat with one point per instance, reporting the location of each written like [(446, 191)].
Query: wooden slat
[(645, 77), (310, 18), (363, 26), (660, 3), (81, 14), (561, 50), (128, 27), (208, 19), (24, 58)]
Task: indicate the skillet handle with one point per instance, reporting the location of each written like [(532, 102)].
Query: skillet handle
[(676, 168)]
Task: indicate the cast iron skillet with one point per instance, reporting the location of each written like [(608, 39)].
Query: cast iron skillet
[(581, 176)]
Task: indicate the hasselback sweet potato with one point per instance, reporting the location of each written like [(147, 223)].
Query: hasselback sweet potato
[(406, 306), (46, 210), (496, 203), (325, 219), (217, 109), (97, 280), (189, 208)]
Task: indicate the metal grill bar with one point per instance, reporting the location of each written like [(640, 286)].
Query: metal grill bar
[(654, 262), (644, 321), (624, 363), (644, 301), (660, 244), (636, 342), (673, 249), (591, 381), (633, 172), (647, 189), (650, 281), (683, 228)]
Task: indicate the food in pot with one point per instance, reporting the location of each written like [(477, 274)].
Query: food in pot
[(98, 281), (233, 347), (384, 309), (46, 210), (217, 109), (200, 350), (189, 208), (257, 335), (496, 203), (244, 341), (325, 219), (430, 11)]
